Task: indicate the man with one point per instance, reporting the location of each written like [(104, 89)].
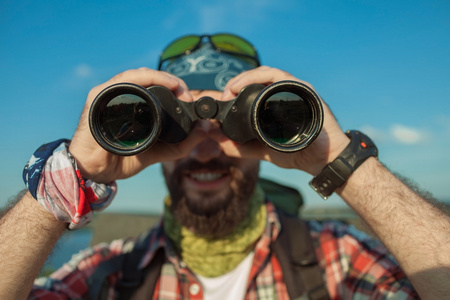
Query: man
[(218, 230)]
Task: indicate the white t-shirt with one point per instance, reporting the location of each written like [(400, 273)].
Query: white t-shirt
[(231, 285)]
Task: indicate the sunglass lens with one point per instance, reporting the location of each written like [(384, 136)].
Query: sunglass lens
[(180, 46), (232, 43)]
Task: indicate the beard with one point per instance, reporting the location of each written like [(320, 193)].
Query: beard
[(208, 213)]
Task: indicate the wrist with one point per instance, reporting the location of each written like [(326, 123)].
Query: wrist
[(336, 148), (36, 214), (54, 180), (333, 145), (336, 173), (357, 184), (86, 160)]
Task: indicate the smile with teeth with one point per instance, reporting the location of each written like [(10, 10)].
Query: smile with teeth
[(206, 176)]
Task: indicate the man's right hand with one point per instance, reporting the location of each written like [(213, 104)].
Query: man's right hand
[(97, 164)]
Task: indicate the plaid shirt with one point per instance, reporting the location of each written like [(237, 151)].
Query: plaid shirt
[(355, 266)]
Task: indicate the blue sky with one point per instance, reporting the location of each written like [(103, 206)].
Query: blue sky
[(382, 66)]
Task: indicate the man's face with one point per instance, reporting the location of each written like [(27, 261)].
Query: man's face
[(210, 190)]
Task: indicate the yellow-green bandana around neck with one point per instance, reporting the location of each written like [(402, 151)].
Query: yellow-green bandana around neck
[(214, 257)]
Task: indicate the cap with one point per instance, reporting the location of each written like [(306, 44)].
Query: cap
[(207, 69)]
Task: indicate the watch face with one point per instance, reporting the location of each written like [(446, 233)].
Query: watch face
[(361, 147)]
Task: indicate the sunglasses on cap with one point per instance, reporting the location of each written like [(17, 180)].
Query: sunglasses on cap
[(223, 42)]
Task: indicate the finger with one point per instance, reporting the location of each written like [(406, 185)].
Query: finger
[(164, 152), (182, 91), (148, 77), (236, 84), (145, 77), (251, 149), (262, 75)]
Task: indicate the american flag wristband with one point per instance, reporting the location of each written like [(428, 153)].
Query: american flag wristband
[(53, 179)]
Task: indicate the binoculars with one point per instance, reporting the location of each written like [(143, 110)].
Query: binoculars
[(126, 119)]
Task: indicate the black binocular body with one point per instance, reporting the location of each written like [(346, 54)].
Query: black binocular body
[(126, 119)]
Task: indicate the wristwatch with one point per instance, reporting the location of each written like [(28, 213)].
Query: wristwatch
[(336, 173)]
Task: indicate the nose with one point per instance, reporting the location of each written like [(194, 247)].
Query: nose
[(208, 149)]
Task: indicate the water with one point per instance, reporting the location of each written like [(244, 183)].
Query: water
[(69, 244)]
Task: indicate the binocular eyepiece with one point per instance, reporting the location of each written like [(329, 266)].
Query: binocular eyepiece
[(126, 119)]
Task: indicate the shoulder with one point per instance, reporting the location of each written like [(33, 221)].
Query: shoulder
[(355, 262), (338, 239), (88, 261), (338, 231), (86, 270)]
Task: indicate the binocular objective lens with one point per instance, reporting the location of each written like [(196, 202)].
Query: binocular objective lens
[(284, 117), (126, 121)]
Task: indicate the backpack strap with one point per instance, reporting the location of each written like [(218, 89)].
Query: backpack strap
[(285, 198), (97, 282), (132, 276), (132, 280), (295, 251)]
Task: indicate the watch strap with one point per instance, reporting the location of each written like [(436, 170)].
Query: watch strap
[(336, 173)]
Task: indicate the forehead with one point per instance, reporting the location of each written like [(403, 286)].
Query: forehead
[(197, 94)]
